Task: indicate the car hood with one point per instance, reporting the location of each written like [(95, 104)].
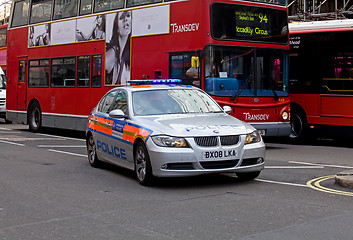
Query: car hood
[(195, 124)]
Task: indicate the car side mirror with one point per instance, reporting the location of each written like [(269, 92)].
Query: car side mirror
[(227, 109), (117, 113)]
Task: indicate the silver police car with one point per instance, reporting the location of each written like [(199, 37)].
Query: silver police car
[(171, 131)]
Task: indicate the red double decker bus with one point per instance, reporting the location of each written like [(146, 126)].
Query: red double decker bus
[(237, 51), (321, 78)]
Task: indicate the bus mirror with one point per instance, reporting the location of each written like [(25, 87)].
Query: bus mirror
[(195, 62)]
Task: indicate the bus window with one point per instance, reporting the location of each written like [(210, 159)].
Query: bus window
[(132, 3), (38, 73), (180, 68), (3, 37), (83, 67), (20, 15), (41, 11), (105, 5), (65, 8), (96, 71), (63, 71), (22, 71), (85, 7)]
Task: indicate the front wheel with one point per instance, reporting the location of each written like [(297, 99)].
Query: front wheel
[(34, 117), (143, 166), (298, 125), (248, 175), (92, 153)]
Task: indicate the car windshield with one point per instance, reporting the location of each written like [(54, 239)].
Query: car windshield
[(172, 101)]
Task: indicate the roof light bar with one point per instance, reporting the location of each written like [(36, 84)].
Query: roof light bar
[(155, 81)]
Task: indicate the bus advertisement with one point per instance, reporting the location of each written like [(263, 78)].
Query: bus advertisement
[(237, 51), (321, 78)]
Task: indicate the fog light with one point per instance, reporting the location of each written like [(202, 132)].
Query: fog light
[(260, 160)]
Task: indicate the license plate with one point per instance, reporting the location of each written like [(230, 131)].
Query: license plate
[(220, 154), (262, 132)]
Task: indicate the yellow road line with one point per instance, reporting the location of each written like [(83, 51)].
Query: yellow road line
[(315, 184)]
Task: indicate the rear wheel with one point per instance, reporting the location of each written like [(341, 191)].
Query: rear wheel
[(143, 166), (248, 175), (92, 153), (34, 117)]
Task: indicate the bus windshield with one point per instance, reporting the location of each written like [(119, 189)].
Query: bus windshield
[(231, 71)]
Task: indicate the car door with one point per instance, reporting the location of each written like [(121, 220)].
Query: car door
[(103, 126), (120, 147)]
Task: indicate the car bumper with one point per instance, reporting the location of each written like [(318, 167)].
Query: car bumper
[(177, 162)]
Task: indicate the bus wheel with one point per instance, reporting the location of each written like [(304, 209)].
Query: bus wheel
[(143, 166), (297, 127), (34, 117)]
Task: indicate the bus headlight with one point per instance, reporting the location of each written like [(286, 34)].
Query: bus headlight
[(253, 137), (285, 115), (167, 141)]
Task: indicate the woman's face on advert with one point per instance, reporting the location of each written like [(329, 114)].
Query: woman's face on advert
[(124, 23)]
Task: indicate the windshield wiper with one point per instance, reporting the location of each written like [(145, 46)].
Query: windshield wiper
[(240, 90)]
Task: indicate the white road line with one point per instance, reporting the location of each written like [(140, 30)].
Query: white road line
[(282, 183), (293, 167), (61, 146), (324, 165), (69, 153), (66, 138), (5, 129), (17, 144)]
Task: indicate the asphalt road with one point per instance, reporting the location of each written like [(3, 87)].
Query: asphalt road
[(49, 191)]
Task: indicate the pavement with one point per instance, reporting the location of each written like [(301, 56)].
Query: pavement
[(345, 179)]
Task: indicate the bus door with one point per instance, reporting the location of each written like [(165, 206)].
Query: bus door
[(22, 84)]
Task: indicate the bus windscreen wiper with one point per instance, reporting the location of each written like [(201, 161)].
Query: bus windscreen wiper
[(240, 90)]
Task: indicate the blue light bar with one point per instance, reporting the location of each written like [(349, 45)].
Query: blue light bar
[(156, 81)]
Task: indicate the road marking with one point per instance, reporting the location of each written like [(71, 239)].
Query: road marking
[(325, 165), (293, 167), (17, 144), (61, 146), (316, 185), (282, 183), (66, 138), (69, 153)]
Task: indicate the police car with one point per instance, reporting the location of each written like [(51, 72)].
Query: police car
[(171, 131)]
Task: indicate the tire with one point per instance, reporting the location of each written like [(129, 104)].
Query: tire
[(35, 117), (8, 121), (298, 127), (143, 168), (248, 175), (92, 152)]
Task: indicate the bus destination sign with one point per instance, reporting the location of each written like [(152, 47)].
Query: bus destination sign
[(248, 23)]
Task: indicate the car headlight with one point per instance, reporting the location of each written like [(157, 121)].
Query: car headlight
[(253, 137), (167, 141)]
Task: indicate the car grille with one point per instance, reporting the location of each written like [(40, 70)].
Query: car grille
[(229, 140), (213, 141), (2, 101), (219, 164), (206, 141)]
